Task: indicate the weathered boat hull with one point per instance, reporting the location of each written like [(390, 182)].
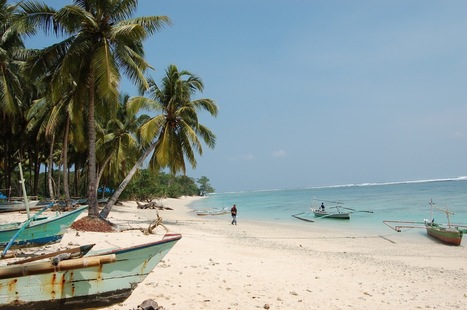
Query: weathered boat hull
[(87, 285), (15, 206), (213, 212), (41, 231), (447, 235), (342, 216)]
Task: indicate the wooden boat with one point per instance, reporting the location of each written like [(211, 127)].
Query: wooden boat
[(98, 280), (16, 206), (447, 233), (338, 214), (320, 211), (213, 211), (38, 230)]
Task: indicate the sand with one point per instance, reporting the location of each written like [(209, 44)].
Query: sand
[(256, 265)]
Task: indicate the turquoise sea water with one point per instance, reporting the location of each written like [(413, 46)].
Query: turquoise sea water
[(408, 201)]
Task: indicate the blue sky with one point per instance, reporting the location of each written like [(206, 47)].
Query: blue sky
[(317, 93)]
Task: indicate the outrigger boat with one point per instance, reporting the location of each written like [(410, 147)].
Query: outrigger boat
[(16, 206), (213, 211), (320, 212), (336, 213), (449, 234), (76, 280), (37, 229)]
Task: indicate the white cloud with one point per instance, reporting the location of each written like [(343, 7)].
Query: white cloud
[(458, 135), (279, 153), (247, 157)]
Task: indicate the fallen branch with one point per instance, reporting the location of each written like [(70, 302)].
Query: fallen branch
[(152, 205), (152, 226)]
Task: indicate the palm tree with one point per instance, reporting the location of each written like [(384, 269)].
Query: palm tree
[(54, 118), (14, 98), (118, 145), (11, 51), (101, 42), (173, 134)]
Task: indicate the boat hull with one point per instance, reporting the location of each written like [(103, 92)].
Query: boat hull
[(41, 231), (324, 214), (85, 286), (212, 212), (447, 235), (16, 206)]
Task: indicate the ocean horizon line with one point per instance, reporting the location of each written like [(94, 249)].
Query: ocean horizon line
[(459, 178)]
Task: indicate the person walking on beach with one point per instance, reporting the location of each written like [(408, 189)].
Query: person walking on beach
[(233, 211)]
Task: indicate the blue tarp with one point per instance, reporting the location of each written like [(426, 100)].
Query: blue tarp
[(3, 196), (107, 190)]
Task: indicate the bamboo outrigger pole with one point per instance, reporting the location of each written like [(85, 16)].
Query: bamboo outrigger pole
[(432, 205), (25, 196)]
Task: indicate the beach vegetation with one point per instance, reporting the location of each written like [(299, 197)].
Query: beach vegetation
[(205, 187), (117, 143), (144, 186), (174, 133), (65, 119), (148, 186), (100, 41), (14, 93)]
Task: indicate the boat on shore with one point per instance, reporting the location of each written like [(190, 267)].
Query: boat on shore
[(449, 233), (37, 230), (213, 211), (18, 206), (100, 279)]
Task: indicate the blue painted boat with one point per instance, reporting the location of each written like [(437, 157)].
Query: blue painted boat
[(98, 280), (38, 230)]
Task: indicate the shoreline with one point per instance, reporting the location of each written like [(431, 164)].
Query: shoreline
[(258, 264), (217, 265)]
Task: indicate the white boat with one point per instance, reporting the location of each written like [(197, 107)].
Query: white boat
[(338, 214), (213, 211), (335, 211), (320, 210)]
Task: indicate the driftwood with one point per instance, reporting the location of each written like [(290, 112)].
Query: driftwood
[(153, 226), (152, 205)]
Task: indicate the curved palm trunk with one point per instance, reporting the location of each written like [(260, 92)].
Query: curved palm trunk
[(101, 171), (93, 210), (66, 187), (108, 207), (37, 166), (51, 168)]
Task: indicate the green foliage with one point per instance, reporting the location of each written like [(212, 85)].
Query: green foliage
[(145, 186), (204, 186), (148, 186)]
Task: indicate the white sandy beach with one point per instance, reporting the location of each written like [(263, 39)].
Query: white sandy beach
[(255, 265)]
